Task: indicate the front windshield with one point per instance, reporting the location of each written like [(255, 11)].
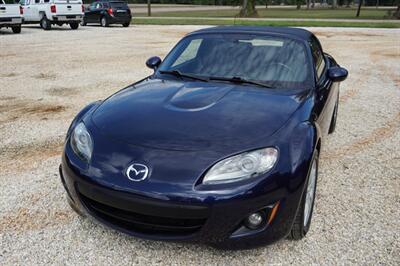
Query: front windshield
[(275, 61)]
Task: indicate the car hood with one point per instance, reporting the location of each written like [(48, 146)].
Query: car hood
[(190, 116)]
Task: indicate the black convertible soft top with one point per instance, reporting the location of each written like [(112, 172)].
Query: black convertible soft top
[(289, 32)]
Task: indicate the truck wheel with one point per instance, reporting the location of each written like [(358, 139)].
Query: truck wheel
[(104, 22), (74, 25), (126, 24), (45, 23), (16, 29), (302, 221)]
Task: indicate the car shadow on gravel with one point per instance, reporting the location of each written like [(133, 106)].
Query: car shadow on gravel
[(53, 28)]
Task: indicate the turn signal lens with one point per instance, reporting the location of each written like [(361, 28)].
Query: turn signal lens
[(21, 10), (273, 212), (110, 11)]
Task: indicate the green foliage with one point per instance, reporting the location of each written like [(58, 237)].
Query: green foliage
[(189, 21), (327, 13)]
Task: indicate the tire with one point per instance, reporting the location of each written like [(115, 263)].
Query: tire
[(126, 24), (45, 23), (16, 29), (83, 22), (332, 127), (104, 22), (303, 218), (74, 25)]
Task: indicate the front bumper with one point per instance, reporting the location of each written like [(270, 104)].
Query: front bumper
[(216, 221)]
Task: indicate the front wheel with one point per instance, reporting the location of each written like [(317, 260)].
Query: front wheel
[(302, 221), (104, 22), (126, 24), (45, 23), (74, 25), (16, 29)]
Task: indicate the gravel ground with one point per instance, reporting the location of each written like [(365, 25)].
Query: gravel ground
[(48, 76)]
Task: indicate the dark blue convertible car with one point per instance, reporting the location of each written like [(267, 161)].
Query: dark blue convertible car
[(220, 145)]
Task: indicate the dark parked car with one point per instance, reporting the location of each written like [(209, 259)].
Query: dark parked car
[(108, 12), (220, 145)]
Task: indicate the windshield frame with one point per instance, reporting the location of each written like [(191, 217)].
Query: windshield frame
[(307, 84)]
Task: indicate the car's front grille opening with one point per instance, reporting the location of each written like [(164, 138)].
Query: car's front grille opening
[(146, 224)]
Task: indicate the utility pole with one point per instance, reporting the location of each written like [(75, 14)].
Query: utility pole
[(149, 8)]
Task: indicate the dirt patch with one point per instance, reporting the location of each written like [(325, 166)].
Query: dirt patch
[(390, 54), (23, 157), (9, 75), (45, 76), (374, 137), (62, 91), (20, 109), (397, 81), (347, 95), (7, 98), (176, 34), (324, 34), (7, 55), (23, 220)]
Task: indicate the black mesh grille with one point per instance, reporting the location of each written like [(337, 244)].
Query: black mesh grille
[(142, 223)]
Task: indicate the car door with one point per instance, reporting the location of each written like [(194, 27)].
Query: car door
[(97, 12), (89, 13), (326, 92), (35, 6)]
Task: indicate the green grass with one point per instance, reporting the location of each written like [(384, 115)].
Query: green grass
[(171, 21), (342, 13)]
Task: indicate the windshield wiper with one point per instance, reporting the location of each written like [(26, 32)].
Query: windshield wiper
[(177, 73), (241, 80)]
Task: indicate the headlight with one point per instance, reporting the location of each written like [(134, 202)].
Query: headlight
[(242, 166), (81, 142)]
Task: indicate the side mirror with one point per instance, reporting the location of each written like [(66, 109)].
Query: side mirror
[(337, 74), (153, 62)]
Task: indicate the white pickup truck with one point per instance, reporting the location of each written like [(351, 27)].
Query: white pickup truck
[(10, 16), (53, 12)]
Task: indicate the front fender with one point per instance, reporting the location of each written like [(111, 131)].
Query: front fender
[(81, 115), (303, 142)]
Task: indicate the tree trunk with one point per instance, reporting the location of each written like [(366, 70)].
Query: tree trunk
[(359, 8), (149, 8), (334, 4), (312, 3), (248, 9), (397, 12), (298, 4), (308, 4)]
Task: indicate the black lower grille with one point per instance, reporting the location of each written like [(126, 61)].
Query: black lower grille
[(141, 223)]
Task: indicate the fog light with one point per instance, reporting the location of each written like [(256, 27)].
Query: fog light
[(255, 220)]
